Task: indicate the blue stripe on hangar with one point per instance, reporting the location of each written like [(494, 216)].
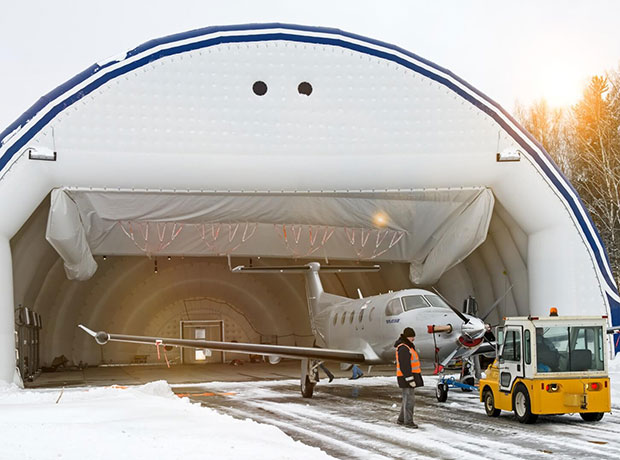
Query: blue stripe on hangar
[(576, 205)]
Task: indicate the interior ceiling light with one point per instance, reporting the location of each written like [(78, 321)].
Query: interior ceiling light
[(380, 219)]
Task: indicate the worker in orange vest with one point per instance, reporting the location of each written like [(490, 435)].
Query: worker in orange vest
[(408, 375)]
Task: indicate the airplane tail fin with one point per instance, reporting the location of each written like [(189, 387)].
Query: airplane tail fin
[(318, 299)]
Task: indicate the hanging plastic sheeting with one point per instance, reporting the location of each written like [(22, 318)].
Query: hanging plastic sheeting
[(432, 229)]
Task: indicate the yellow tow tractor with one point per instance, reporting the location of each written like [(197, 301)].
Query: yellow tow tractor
[(553, 365)]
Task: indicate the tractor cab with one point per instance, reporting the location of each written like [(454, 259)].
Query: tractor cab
[(552, 365)]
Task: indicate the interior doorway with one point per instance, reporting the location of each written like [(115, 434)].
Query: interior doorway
[(202, 330)]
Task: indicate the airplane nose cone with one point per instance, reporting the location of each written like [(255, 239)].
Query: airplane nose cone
[(474, 329)]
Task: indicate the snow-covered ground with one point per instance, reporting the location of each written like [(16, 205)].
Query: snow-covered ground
[(347, 418), (142, 422)]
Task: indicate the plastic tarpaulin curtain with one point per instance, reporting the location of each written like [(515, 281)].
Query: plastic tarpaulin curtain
[(433, 230)]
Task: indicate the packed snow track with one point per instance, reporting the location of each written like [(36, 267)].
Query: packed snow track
[(358, 420)]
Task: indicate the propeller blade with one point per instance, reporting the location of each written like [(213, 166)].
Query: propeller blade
[(455, 310), (496, 303)]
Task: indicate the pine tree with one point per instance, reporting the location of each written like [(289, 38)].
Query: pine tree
[(595, 141)]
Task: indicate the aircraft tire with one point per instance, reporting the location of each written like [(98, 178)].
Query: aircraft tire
[(307, 388), (522, 405), (592, 416), (468, 380), (489, 403), (442, 392)]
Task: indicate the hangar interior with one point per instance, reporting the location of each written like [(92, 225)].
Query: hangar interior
[(170, 294), (273, 144)]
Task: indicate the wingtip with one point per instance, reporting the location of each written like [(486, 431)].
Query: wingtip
[(88, 331)]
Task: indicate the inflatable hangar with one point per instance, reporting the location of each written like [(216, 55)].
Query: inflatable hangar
[(126, 191)]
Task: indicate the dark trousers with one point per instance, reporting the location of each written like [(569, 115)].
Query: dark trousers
[(408, 403)]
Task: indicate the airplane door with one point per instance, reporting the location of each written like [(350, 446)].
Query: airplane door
[(511, 357)]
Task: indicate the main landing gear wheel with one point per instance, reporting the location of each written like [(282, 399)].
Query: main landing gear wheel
[(441, 392), (522, 406), (468, 380), (592, 416), (307, 387), (489, 403)]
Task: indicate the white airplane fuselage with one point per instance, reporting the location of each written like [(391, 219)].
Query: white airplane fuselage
[(371, 325)]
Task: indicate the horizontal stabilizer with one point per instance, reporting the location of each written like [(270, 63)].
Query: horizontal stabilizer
[(250, 348), (307, 268)]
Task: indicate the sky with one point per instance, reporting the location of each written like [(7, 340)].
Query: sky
[(512, 51)]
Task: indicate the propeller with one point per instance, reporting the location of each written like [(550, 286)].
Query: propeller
[(458, 313), (496, 303)]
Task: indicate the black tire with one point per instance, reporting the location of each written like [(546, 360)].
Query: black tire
[(522, 406), (468, 380), (442, 392), (489, 403), (307, 388), (592, 416)]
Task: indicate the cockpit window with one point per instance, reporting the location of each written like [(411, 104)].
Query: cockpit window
[(393, 307), (415, 301), (436, 301)]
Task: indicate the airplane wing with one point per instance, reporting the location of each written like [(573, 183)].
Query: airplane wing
[(283, 351)]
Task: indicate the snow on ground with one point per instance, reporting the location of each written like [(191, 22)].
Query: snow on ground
[(149, 421), (142, 422)]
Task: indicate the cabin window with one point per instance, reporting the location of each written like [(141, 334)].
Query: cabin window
[(415, 301), (370, 313), (351, 317), (394, 307), (361, 315), (344, 316), (335, 318), (436, 301)]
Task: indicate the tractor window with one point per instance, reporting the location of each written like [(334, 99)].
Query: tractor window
[(394, 307), (570, 349), (512, 346), (552, 349), (415, 301), (527, 346), (586, 349)]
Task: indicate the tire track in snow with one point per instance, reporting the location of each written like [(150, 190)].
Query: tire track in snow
[(347, 419)]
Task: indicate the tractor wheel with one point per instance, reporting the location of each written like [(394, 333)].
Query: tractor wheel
[(441, 392), (522, 406), (592, 416), (489, 403)]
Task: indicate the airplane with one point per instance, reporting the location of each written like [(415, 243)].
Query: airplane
[(353, 331)]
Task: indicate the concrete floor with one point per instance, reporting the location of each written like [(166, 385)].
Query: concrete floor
[(179, 374)]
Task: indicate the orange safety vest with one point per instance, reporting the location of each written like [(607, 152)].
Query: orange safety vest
[(415, 361)]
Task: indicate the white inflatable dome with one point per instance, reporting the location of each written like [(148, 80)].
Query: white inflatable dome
[(276, 141)]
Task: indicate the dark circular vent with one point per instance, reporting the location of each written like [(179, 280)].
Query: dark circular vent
[(305, 88), (259, 88)]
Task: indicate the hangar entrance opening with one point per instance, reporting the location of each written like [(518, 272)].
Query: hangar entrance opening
[(152, 279)]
